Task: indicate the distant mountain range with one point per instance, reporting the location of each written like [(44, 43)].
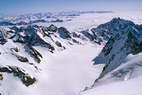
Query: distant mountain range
[(49, 17)]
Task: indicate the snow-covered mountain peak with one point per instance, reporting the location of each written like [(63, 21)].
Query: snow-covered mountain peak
[(125, 39)]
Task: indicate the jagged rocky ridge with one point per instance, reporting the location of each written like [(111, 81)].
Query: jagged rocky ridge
[(104, 32), (26, 79), (21, 42), (125, 38)]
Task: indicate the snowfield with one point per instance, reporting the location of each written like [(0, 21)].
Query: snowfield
[(70, 71), (64, 73), (131, 85)]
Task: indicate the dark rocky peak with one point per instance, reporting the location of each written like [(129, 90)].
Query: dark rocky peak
[(52, 28), (88, 35), (76, 35), (48, 31), (121, 21), (3, 39), (114, 27), (45, 31), (117, 23), (27, 30), (64, 33), (28, 35)]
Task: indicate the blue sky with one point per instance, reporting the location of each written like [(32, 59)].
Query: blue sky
[(33, 6)]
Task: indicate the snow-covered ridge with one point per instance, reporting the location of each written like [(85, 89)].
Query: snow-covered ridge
[(23, 46), (124, 80), (124, 39), (121, 54), (31, 48)]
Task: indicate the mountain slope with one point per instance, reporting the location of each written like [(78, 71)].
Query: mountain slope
[(121, 56), (125, 80), (26, 51), (126, 40)]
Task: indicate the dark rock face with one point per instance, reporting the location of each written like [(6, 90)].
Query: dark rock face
[(64, 33), (47, 31), (58, 44), (88, 35), (26, 79), (134, 42), (14, 52), (1, 77), (75, 41), (2, 38), (33, 53), (22, 59), (52, 28), (28, 35), (76, 35)]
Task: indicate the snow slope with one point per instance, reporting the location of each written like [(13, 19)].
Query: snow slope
[(64, 73), (112, 83), (131, 87), (122, 56)]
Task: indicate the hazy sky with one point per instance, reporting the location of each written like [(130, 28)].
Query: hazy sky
[(28, 6)]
